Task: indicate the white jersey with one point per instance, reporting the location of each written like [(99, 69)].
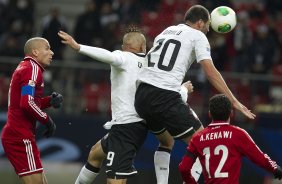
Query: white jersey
[(172, 54), (123, 86), (125, 67)]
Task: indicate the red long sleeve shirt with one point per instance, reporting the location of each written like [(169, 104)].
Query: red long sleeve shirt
[(26, 101), (220, 148)]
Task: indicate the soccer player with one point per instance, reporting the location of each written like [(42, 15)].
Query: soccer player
[(127, 130), (174, 50), (25, 107), (221, 146)]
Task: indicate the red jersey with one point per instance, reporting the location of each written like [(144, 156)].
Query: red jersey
[(220, 148), (25, 101)]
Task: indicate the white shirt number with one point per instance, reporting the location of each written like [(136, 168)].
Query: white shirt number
[(217, 173)]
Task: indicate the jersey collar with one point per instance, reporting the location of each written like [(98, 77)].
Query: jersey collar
[(140, 54), (218, 123), (33, 60)]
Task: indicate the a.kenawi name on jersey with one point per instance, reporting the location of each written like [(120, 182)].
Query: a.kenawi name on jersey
[(216, 135)]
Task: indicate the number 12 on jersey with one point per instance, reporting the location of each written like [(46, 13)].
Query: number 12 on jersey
[(176, 47), (219, 150)]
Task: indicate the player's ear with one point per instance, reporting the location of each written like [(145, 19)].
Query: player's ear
[(200, 23), (231, 114), (122, 47), (143, 48), (210, 115), (34, 52)]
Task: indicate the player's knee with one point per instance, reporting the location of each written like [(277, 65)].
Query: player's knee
[(96, 153), (167, 142), (188, 139)]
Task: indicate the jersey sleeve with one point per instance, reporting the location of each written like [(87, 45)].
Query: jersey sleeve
[(186, 164), (252, 151), (202, 47), (184, 93), (28, 82), (101, 55)]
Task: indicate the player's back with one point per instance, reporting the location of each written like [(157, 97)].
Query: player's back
[(220, 154), (174, 50), (123, 87)]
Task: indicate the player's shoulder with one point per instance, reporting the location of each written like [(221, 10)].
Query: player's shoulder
[(123, 53), (24, 66), (238, 130)]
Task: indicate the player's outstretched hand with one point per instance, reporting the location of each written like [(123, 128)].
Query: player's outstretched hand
[(50, 128), (237, 105), (278, 173), (68, 40), (56, 100), (189, 86)]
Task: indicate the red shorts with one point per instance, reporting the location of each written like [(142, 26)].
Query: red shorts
[(23, 155)]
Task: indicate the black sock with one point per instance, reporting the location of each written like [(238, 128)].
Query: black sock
[(92, 168)]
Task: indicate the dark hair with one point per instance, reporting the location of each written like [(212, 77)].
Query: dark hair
[(220, 107), (132, 29), (195, 13)]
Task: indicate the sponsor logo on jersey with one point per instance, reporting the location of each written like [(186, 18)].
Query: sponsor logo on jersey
[(31, 83), (139, 65)]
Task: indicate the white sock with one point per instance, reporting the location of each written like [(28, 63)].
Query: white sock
[(196, 170), (85, 176), (161, 161)]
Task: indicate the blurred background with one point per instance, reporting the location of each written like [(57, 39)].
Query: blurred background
[(249, 58)]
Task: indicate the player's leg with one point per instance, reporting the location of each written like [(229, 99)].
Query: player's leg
[(149, 103), (91, 169), (36, 178), (187, 124), (162, 157), (116, 181), (197, 167), (25, 158), (122, 144), (44, 178)]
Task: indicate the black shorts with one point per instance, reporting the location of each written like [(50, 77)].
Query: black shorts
[(165, 110), (121, 145)]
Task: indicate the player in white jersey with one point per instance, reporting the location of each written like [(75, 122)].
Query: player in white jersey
[(128, 130), (173, 51)]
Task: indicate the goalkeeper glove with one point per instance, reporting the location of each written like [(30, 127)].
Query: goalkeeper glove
[(278, 173), (50, 128), (56, 100)]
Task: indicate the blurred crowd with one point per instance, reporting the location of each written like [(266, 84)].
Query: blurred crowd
[(254, 47)]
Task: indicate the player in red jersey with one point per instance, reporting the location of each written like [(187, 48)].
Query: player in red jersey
[(221, 146), (25, 106)]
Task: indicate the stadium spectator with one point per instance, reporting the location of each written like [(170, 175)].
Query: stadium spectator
[(87, 27), (221, 146), (51, 24), (25, 107), (109, 20), (13, 40), (261, 58)]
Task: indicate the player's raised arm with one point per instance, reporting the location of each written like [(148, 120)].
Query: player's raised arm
[(68, 40), (218, 82), (96, 53)]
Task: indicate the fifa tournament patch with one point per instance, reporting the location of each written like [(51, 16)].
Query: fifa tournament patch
[(208, 49), (31, 83)]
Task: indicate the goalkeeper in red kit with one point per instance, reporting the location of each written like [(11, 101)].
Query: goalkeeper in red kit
[(221, 146), (25, 106)]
